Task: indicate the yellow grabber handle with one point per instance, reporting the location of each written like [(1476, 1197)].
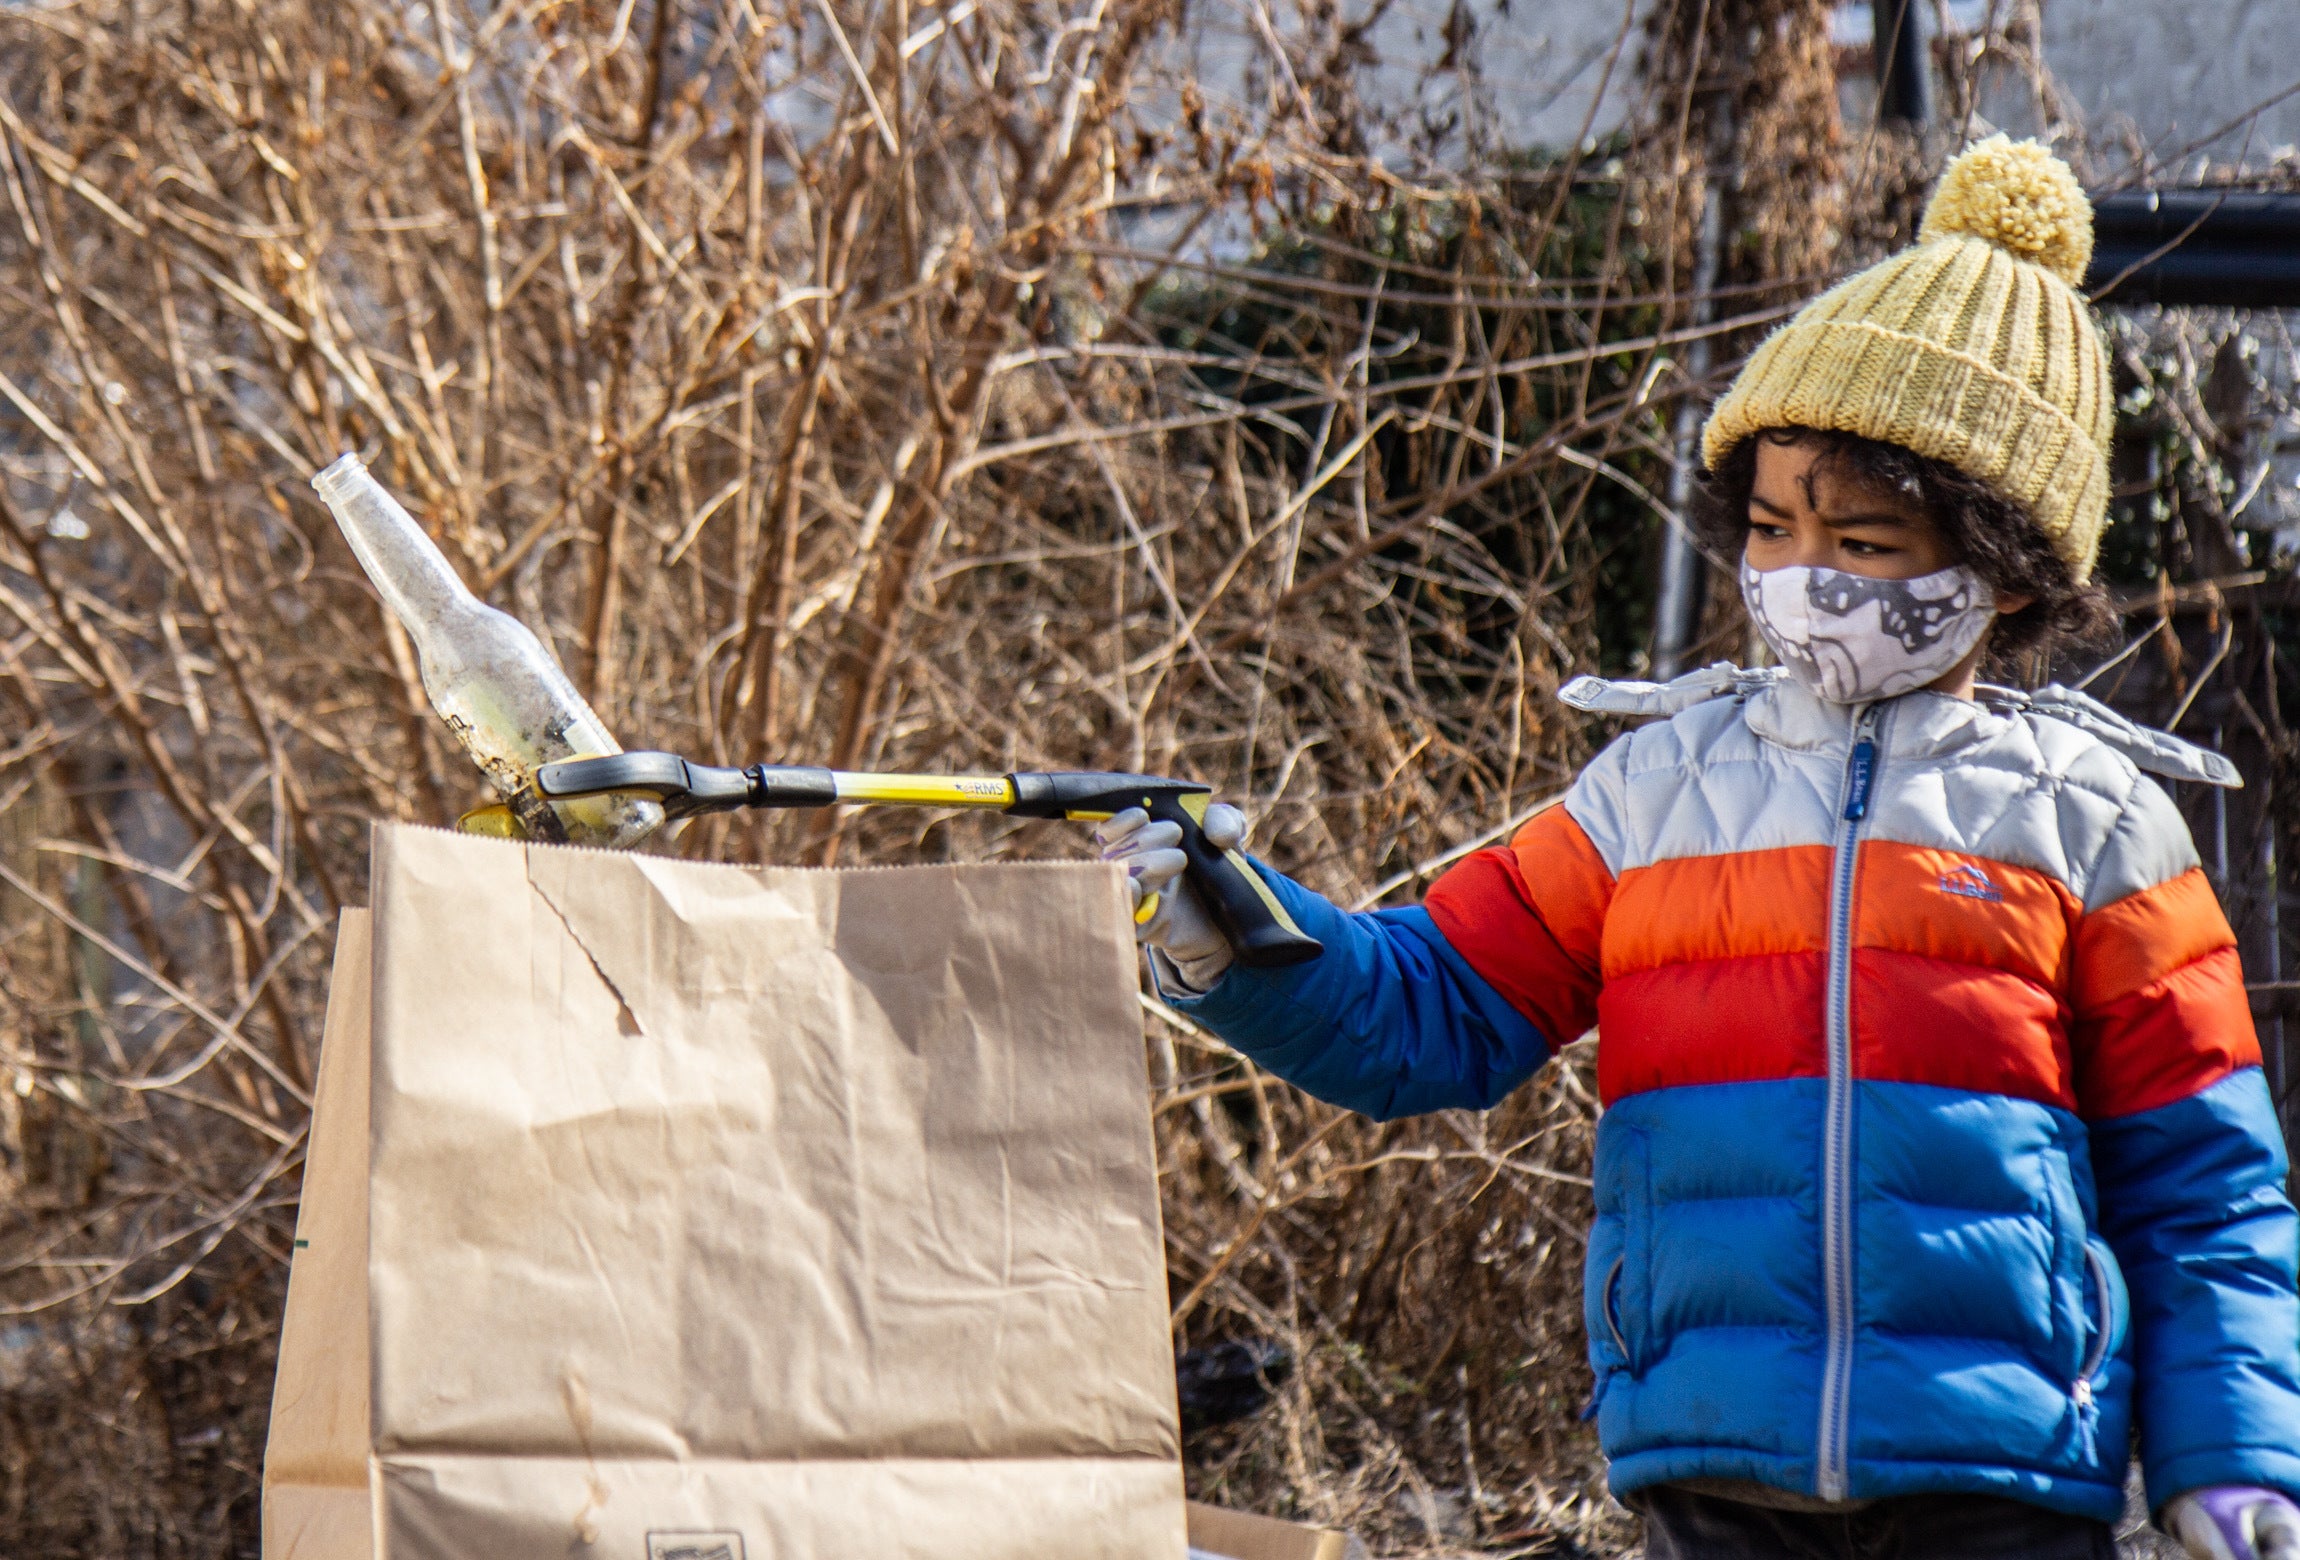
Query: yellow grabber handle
[(1248, 915)]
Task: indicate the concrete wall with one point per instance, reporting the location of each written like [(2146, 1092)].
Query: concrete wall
[(2139, 77), (2160, 76), (1446, 73)]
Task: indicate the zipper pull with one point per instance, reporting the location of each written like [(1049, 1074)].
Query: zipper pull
[(1861, 779), (2087, 1420), (1861, 770)]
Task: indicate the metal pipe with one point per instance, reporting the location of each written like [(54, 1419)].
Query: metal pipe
[(2203, 247), (2224, 279), (1677, 609), (1901, 57), (1677, 606), (2207, 217)]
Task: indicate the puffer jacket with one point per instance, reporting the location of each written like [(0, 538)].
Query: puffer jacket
[(1935, 1151)]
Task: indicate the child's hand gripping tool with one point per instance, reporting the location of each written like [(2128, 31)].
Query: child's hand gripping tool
[(1248, 915)]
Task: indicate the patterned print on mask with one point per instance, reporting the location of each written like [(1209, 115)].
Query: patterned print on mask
[(1852, 639)]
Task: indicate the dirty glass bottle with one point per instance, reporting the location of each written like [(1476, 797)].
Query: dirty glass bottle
[(490, 678)]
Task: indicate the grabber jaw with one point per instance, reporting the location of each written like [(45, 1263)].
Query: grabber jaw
[(684, 788), (661, 776), (664, 776)]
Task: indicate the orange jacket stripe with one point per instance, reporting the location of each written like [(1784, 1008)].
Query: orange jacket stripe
[(1963, 909), (2145, 936), (1743, 904), (2167, 1040), (1720, 1021), (1958, 1025), (1567, 879)]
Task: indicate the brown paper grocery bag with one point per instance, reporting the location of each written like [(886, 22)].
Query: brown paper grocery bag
[(726, 1212), (316, 1502), (1216, 1534)]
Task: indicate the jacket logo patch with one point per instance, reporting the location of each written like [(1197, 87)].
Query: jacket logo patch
[(1967, 881), (694, 1546)]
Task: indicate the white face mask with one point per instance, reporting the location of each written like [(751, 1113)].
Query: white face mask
[(1852, 639)]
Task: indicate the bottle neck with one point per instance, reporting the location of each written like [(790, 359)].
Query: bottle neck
[(410, 572)]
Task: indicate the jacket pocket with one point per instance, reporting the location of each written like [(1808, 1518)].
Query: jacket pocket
[(1609, 1304), (2108, 1309), (1625, 1295), (2071, 1320), (1600, 1314), (2092, 1311), (1600, 1289), (1617, 1277)]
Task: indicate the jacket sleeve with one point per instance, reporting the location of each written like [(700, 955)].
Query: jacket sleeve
[(2190, 1164), (1451, 1003)]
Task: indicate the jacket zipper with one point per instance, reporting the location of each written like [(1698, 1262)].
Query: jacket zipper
[(1837, 1118)]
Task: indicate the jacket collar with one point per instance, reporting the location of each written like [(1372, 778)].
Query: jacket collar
[(1915, 725)]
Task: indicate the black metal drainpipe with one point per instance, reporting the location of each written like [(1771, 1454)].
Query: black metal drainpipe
[(1904, 82), (2210, 248)]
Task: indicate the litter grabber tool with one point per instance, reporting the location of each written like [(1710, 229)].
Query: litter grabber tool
[(562, 776), (1248, 915)]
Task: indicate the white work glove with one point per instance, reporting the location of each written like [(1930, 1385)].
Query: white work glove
[(1179, 928), (2235, 1522)]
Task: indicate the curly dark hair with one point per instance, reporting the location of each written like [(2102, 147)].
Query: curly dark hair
[(1995, 536)]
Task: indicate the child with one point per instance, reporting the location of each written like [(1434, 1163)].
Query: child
[(1935, 1156)]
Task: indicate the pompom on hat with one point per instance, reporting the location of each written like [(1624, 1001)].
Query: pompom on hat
[(1972, 346)]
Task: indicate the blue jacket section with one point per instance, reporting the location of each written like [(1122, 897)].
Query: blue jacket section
[(1994, 1363), (1389, 1021), (2193, 1201), (1994, 1347)]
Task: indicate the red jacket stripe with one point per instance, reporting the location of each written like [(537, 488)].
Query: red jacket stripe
[(2167, 1040), (1718, 1021), (1959, 1025)]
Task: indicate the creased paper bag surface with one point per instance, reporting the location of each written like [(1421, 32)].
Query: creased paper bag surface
[(811, 1209)]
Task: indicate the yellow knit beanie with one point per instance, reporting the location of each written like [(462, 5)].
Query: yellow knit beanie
[(1971, 347)]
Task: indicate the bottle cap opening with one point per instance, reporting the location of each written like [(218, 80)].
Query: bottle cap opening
[(332, 482)]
